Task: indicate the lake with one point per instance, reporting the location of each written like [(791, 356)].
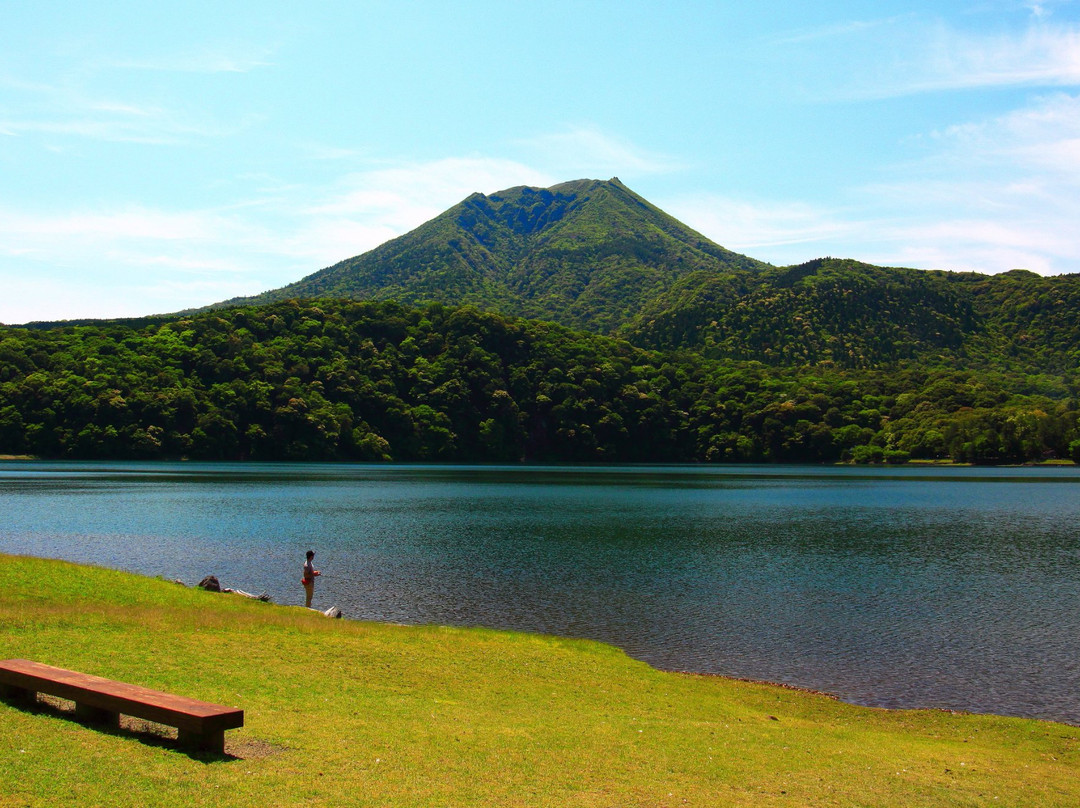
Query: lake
[(943, 587)]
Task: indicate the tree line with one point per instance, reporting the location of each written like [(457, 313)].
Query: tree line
[(346, 380)]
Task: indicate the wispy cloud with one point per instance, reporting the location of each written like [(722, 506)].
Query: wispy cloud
[(131, 223), (1042, 9), (176, 259), (63, 110), (31, 296), (369, 207), (123, 262), (119, 124), (939, 229), (835, 30), (1043, 136), (990, 195), (908, 55), (232, 58), (586, 151), (161, 260), (774, 230), (82, 100), (1042, 55), (995, 194)]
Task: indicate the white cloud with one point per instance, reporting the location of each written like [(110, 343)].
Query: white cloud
[(1043, 137), (232, 58), (130, 224), (28, 298), (429, 186), (907, 56), (990, 196), (146, 260), (835, 30), (113, 130), (73, 102), (123, 262), (774, 231), (1043, 54), (70, 113), (984, 227), (986, 245), (370, 207), (587, 152)]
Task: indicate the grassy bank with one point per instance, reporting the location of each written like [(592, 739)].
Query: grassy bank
[(347, 713)]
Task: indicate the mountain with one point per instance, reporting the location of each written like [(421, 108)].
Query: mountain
[(589, 254), (594, 255), (717, 357), (848, 313)]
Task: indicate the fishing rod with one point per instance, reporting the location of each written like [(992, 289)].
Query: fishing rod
[(334, 577)]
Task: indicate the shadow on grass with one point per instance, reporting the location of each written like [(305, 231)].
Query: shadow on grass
[(147, 732)]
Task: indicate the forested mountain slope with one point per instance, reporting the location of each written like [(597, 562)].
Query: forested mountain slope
[(846, 313), (587, 254), (594, 255), (709, 355), (327, 380)]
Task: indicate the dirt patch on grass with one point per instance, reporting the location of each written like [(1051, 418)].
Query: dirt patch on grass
[(137, 726), (246, 749)]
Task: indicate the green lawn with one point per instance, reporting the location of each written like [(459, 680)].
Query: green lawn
[(347, 713)]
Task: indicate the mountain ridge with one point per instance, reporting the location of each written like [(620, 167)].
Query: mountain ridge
[(586, 253), (593, 255), (708, 355)]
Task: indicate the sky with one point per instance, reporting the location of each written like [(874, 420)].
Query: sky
[(157, 157)]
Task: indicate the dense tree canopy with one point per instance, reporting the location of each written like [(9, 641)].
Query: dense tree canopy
[(854, 315), (376, 381)]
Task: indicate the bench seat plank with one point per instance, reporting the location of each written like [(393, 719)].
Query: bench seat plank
[(192, 717)]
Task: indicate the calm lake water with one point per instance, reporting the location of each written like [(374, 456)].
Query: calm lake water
[(900, 587)]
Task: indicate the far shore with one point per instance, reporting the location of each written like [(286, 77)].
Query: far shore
[(913, 462)]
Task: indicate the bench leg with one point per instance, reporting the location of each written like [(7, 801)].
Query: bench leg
[(95, 715), (17, 695), (204, 742)]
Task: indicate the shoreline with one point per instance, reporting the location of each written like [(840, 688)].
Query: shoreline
[(919, 462), (334, 612), (430, 715)]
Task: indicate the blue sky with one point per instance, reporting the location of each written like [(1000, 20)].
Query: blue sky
[(153, 159)]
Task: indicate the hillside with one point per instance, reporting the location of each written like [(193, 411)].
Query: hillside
[(587, 254), (851, 314), (683, 351), (596, 256), (344, 380)]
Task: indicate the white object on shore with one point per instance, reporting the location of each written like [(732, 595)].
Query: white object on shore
[(265, 598)]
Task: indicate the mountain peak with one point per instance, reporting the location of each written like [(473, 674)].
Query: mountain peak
[(578, 186), (587, 253)]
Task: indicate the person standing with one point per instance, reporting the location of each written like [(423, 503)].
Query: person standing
[(310, 573)]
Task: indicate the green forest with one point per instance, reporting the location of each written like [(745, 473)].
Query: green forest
[(349, 380), (647, 343)]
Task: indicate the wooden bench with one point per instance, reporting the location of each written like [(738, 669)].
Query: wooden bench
[(199, 724)]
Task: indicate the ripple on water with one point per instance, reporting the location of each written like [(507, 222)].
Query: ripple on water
[(951, 588)]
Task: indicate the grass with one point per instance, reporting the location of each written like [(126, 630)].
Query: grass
[(348, 713)]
